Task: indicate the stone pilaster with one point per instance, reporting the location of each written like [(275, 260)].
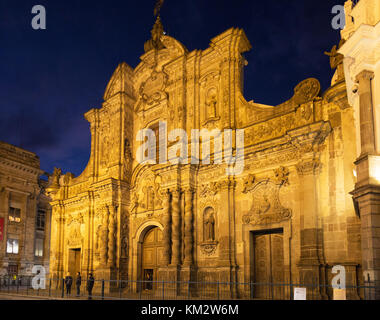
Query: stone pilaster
[(311, 260)]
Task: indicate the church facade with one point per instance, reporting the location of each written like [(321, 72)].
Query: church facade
[(287, 217)]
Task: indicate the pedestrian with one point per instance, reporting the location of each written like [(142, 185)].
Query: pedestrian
[(78, 283), (90, 285), (68, 282)]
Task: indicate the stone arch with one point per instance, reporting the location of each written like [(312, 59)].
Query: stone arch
[(138, 240)]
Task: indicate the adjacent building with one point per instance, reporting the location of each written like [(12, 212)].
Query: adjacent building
[(24, 213), (361, 51)]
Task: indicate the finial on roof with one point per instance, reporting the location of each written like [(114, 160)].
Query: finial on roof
[(157, 8), (157, 31)]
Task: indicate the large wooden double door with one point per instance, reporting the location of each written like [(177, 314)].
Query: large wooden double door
[(152, 253), (269, 266)]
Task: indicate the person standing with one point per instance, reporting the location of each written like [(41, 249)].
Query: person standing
[(90, 285), (68, 282), (78, 283)]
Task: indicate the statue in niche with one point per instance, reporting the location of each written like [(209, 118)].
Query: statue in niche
[(127, 152), (209, 224), (211, 102), (97, 239), (149, 198)]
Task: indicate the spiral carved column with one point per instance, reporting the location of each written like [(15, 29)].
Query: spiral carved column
[(167, 229), (189, 239), (111, 236), (176, 227)]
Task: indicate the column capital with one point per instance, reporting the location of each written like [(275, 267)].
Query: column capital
[(365, 75), (308, 167)]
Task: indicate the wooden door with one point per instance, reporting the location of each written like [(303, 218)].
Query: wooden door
[(269, 266), (152, 250)]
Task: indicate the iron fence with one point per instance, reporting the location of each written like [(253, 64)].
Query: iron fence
[(181, 290)]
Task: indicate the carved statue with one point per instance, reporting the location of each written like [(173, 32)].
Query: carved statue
[(211, 103), (336, 60), (209, 225), (56, 176), (124, 246)]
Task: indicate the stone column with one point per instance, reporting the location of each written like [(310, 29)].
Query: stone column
[(189, 239), (367, 129), (367, 188), (104, 239), (167, 229), (111, 236), (176, 227)]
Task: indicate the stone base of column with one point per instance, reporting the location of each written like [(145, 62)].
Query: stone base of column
[(367, 198), (188, 276), (311, 277), (109, 275)]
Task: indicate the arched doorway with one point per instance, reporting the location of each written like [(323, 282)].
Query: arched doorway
[(152, 251)]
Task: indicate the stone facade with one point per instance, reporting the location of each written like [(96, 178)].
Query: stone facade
[(24, 211), (290, 207)]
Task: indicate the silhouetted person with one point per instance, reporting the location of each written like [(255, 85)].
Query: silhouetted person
[(78, 283), (90, 285), (69, 283)]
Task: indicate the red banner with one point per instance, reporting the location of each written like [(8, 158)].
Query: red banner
[(1, 228)]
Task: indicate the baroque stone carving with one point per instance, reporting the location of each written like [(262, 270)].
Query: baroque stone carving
[(282, 176), (248, 183), (152, 90), (209, 248), (266, 207), (306, 91)]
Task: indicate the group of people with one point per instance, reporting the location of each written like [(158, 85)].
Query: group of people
[(78, 283)]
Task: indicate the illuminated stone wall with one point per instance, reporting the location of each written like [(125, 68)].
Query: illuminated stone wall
[(298, 173)]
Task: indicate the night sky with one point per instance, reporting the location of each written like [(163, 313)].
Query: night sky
[(50, 78)]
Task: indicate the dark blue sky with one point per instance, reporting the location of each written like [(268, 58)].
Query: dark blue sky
[(50, 78)]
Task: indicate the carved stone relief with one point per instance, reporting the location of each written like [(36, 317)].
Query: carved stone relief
[(266, 207)]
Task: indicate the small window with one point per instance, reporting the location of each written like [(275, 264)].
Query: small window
[(12, 246), (14, 214), (40, 220), (39, 248)]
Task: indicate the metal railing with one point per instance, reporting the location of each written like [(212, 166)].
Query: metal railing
[(171, 290)]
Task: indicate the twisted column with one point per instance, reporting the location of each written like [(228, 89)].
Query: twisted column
[(189, 239), (167, 229), (176, 227), (104, 239), (111, 236)]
